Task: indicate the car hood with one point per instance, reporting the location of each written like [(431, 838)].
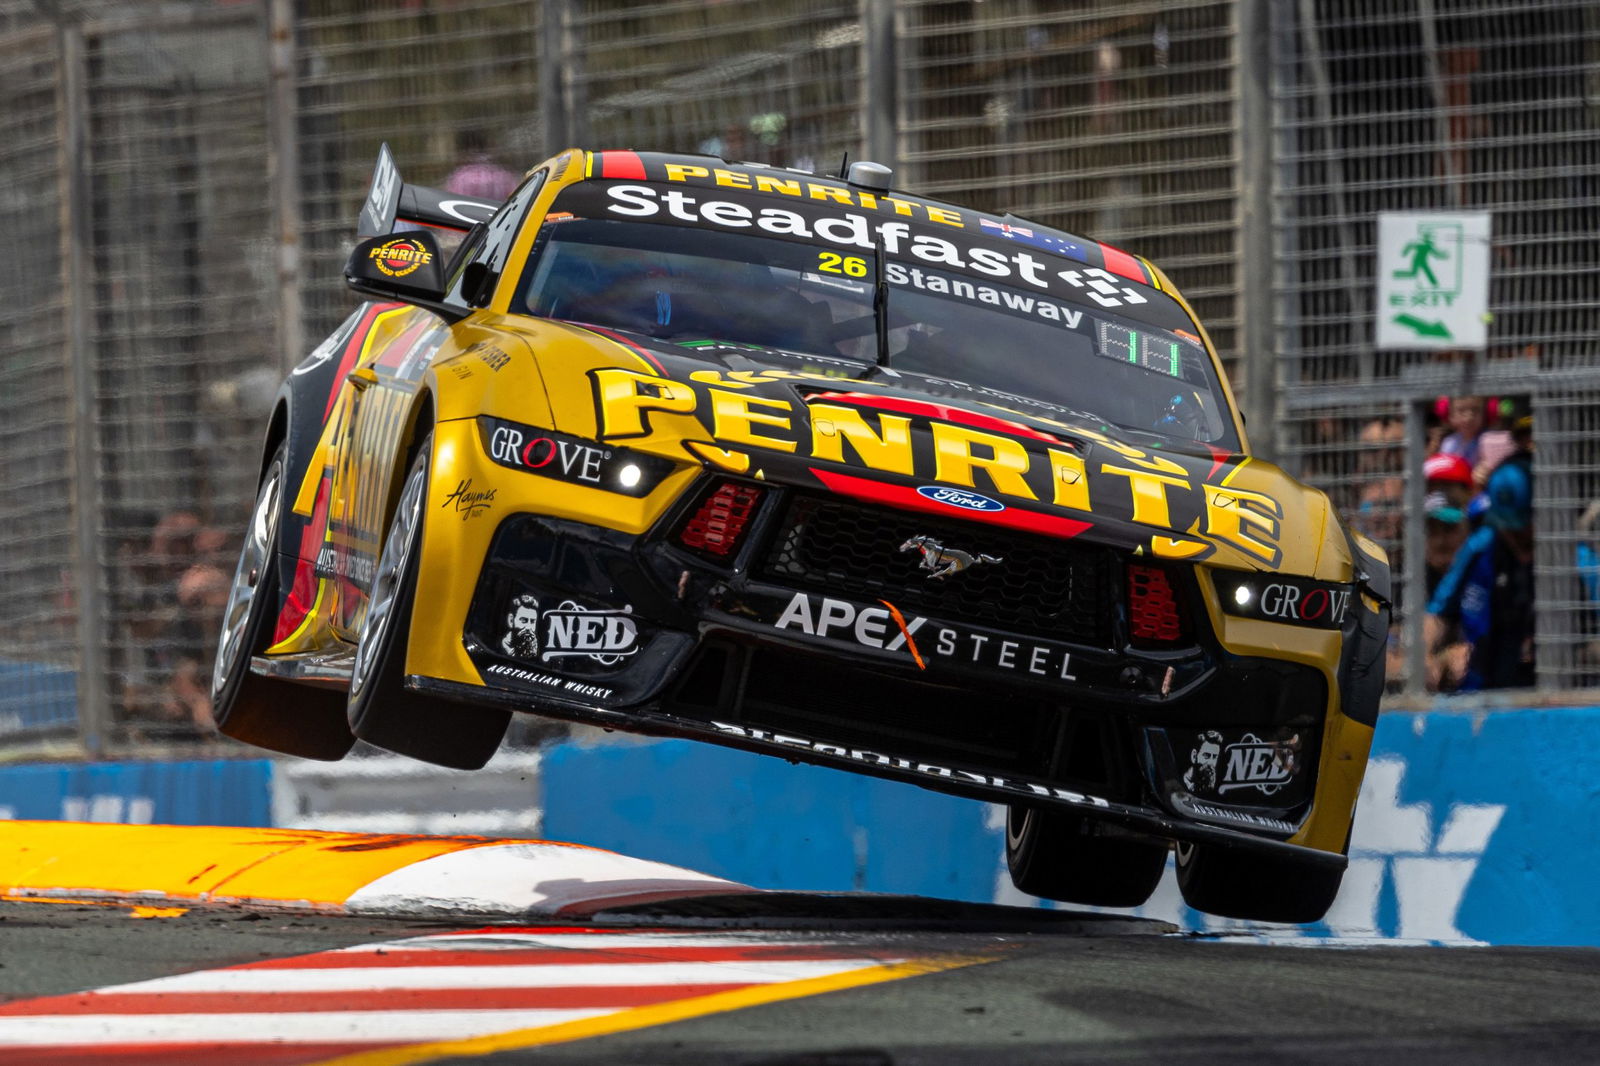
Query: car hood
[(947, 448)]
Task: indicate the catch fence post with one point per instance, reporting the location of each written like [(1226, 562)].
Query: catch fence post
[(77, 262), (283, 168), (879, 83), (1257, 309)]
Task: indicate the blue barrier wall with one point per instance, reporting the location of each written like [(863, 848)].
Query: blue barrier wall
[(1471, 826), (764, 822), (36, 696), (209, 792)]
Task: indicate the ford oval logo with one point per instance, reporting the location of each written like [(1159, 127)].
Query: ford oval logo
[(967, 501)]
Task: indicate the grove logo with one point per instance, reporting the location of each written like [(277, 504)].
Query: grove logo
[(399, 257)]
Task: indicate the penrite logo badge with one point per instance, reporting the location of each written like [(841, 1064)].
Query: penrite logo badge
[(399, 257), (945, 561)]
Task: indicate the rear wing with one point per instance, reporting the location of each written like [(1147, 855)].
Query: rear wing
[(390, 202)]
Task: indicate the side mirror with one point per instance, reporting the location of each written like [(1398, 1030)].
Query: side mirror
[(401, 266)]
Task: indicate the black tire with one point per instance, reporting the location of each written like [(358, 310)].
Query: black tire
[(268, 712), (1262, 888), (1063, 857), (382, 710)]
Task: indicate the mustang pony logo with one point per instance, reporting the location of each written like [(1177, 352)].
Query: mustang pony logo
[(945, 561)]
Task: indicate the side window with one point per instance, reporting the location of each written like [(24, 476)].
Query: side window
[(483, 256)]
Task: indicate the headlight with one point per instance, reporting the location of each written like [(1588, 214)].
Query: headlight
[(1275, 598), (572, 459)]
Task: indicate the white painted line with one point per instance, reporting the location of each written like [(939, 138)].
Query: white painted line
[(591, 975), (304, 1027), (491, 941)]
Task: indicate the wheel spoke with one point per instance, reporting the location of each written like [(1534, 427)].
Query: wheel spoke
[(386, 582), (254, 557)]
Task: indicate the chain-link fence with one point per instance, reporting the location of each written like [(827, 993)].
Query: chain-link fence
[(1445, 106), (38, 642), (1114, 119), (181, 178)]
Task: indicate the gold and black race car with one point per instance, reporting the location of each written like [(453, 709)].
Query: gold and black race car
[(819, 468)]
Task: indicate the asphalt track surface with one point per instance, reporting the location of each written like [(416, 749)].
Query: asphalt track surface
[(1059, 990)]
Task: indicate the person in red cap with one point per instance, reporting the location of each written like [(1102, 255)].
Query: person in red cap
[(1485, 599), (1449, 490)]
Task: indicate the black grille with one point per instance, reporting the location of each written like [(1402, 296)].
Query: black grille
[(1042, 586), (863, 708), (892, 714)]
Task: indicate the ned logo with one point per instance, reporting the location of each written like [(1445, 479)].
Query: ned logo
[(1265, 766), (605, 635)]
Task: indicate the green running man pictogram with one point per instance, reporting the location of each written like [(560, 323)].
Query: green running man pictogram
[(1420, 251)]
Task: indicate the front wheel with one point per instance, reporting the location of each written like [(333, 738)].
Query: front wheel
[(1064, 857), (382, 710), (1262, 888), (267, 711)]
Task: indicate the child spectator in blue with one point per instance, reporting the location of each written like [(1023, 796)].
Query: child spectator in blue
[(1488, 590)]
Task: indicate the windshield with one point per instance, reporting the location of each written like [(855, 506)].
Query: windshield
[(948, 332)]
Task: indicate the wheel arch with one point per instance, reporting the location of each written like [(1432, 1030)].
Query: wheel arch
[(277, 433), (419, 424)]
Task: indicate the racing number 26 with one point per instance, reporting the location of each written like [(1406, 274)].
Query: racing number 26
[(834, 263)]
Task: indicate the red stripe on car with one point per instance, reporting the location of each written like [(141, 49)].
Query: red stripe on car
[(643, 353), (1120, 262), (302, 595), (621, 165), (907, 499), (940, 411)]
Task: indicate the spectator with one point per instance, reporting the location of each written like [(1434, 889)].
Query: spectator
[(214, 547), (1380, 515), (1449, 489), (1381, 509), (203, 596), (1488, 591), (1587, 563), (1382, 447), (170, 614), (171, 546), (478, 175), (1494, 446), (1466, 417)]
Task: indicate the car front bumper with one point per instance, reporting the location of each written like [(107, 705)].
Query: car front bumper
[(635, 634)]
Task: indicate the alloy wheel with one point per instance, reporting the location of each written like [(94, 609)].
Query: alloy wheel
[(259, 539), (397, 549)]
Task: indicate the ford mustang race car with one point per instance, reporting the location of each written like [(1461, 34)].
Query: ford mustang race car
[(818, 468)]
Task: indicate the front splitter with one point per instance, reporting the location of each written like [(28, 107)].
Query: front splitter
[(948, 778)]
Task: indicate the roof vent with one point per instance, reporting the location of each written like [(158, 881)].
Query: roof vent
[(866, 175)]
